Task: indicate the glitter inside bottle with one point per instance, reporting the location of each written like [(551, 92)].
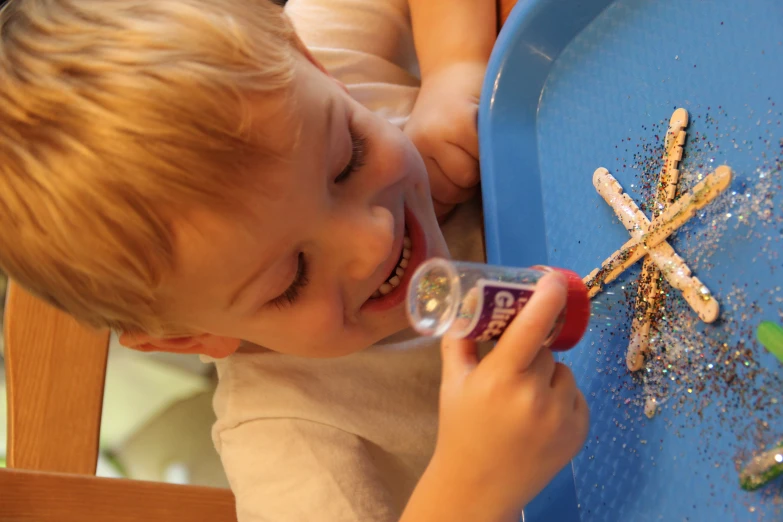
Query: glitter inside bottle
[(476, 301)]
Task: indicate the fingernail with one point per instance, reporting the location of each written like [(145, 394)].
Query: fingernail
[(561, 280)]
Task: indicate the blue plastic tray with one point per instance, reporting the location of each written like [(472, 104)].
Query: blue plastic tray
[(578, 84)]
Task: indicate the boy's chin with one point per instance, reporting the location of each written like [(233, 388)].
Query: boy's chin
[(394, 322)]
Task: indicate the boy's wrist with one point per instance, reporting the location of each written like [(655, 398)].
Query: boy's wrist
[(446, 60), (459, 78), (469, 70), (446, 493)]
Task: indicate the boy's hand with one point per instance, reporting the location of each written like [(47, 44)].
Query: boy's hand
[(511, 422), (443, 128)]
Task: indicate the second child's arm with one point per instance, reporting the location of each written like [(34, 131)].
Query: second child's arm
[(453, 39), (448, 32)]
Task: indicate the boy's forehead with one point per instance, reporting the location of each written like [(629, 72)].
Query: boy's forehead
[(292, 126), (306, 107), (275, 123)]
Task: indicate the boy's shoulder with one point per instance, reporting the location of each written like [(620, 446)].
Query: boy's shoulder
[(258, 384)]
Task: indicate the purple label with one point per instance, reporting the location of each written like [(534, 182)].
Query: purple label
[(497, 305)]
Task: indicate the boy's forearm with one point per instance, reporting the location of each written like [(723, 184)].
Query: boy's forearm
[(450, 31), (441, 496)]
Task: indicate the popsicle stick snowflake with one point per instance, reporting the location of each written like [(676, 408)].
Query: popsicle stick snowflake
[(648, 240)]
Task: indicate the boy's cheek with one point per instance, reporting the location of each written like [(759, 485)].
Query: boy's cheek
[(311, 332)]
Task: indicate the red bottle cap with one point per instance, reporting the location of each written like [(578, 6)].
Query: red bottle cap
[(577, 313)]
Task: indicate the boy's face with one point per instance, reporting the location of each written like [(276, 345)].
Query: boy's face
[(311, 270)]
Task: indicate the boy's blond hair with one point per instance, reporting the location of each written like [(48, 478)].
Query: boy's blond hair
[(115, 114)]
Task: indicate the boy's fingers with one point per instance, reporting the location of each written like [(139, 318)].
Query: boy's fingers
[(542, 367), (442, 210), (441, 187), (465, 134), (459, 167), (459, 357), (582, 419), (564, 382), (524, 338)]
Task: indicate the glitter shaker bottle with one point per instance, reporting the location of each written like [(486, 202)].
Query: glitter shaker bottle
[(476, 301)]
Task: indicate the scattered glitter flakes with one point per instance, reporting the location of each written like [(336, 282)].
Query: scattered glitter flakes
[(735, 402)]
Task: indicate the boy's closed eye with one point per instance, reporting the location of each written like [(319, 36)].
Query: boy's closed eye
[(357, 158), (290, 295)]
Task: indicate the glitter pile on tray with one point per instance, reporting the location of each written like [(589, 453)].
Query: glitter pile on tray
[(717, 370), (689, 362), (748, 211)]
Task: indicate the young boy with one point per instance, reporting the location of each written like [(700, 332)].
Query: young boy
[(187, 173)]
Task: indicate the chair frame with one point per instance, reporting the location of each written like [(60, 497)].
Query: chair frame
[(55, 375)]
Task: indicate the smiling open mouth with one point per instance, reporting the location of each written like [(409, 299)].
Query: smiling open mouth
[(396, 276), (392, 291)]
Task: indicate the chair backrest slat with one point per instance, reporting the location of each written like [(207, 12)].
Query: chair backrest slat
[(55, 373), (31, 496)]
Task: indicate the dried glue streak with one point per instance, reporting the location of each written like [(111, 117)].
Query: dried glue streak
[(475, 301)]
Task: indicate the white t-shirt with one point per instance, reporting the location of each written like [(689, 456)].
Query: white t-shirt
[(344, 439)]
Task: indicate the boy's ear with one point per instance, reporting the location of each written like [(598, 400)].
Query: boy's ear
[(204, 344)]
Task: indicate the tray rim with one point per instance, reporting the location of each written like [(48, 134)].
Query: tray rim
[(522, 19), (560, 499)]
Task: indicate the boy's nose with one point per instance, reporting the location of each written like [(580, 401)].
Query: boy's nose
[(369, 241)]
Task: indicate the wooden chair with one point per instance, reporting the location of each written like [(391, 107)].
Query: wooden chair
[(55, 372)]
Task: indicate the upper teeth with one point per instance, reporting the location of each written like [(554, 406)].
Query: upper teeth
[(395, 277)]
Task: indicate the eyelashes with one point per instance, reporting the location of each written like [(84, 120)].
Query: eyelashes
[(291, 293), (358, 156)]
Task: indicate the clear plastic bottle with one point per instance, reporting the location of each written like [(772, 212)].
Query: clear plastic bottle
[(477, 301)]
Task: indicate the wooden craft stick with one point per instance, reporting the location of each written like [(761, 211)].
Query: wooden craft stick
[(646, 300), (686, 206), (660, 228), (647, 296), (679, 275), (663, 255), (672, 266)]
